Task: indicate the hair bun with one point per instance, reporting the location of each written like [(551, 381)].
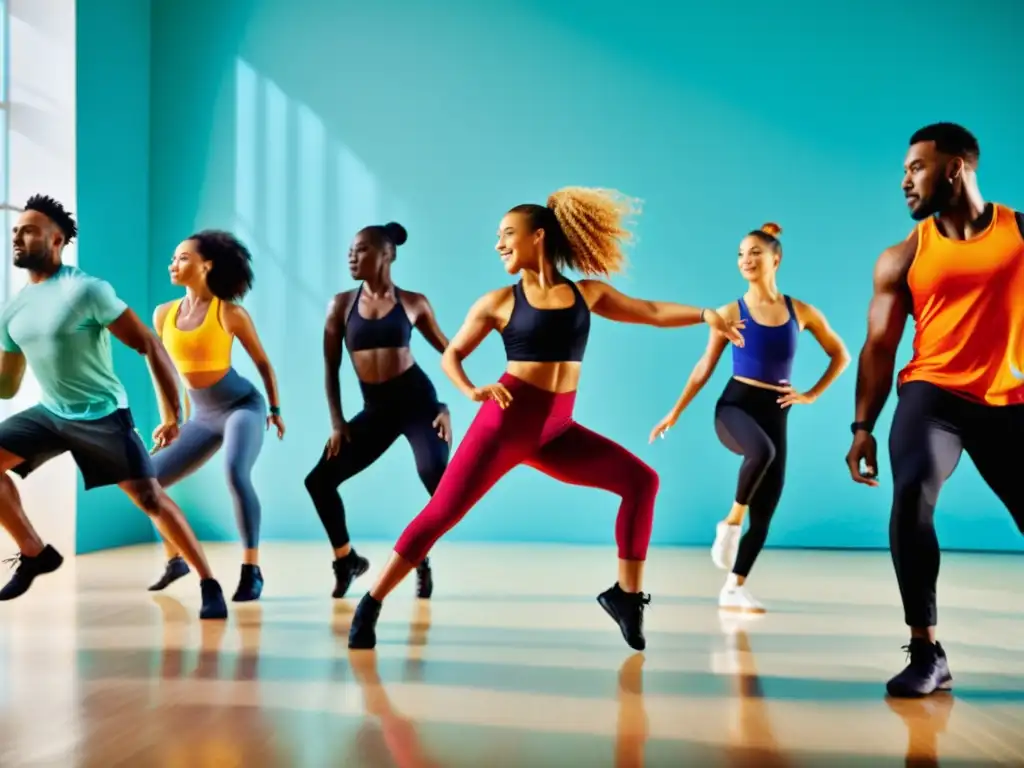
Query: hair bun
[(396, 232), (771, 228)]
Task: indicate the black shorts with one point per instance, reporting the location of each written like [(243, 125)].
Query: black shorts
[(108, 451)]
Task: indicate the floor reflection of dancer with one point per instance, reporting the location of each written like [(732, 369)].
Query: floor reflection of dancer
[(398, 741), (198, 330), (60, 324), (751, 416), (375, 322), (752, 741), (960, 274), (925, 720), (211, 733), (527, 416), (632, 728)]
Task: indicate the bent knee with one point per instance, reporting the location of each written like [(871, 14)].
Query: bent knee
[(315, 480), (762, 455), (914, 498), (149, 497), (239, 479), (8, 461), (641, 481)]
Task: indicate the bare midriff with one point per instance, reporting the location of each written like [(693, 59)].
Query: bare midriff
[(375, 366), (551, 377), (761, 384)]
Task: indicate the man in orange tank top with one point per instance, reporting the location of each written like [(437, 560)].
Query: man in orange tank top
[(960, 275)]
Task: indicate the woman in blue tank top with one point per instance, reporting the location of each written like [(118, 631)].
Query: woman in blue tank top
[(751, 414)]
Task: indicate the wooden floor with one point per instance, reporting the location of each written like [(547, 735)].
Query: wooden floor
[(512, 664)]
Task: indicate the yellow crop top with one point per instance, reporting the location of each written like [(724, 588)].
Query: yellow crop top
[(204, 348)]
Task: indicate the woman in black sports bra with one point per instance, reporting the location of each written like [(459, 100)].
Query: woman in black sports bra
[(375, 322), (527, 416)]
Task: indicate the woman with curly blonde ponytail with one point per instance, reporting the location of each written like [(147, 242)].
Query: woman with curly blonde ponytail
[(751, 415), (527, 416)]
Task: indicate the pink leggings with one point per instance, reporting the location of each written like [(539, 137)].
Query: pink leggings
[(536, 430)]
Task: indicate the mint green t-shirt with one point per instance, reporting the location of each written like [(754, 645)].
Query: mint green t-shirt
[(60, 325)]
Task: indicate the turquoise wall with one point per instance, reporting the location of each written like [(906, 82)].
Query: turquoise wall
[(113, 212), (297, 123)]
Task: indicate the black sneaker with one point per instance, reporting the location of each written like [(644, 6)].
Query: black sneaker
[(27, 568), (927, 672), (362, 635), (346, 570), (250, 585), (214, 606), (175, 569), (424, 580), (627, 609)]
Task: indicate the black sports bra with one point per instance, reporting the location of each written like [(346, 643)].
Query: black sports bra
[(392, 331), (546, 335)]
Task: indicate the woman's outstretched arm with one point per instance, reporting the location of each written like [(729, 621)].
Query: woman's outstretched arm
[(608, 302)]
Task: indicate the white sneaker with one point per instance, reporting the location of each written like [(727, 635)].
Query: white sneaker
[(727, 542), (738, 599)]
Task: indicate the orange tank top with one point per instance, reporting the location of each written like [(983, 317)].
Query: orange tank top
[(969, 311), (204, 348)]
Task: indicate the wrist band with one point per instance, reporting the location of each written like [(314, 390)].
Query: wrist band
[(702, 315), (275, 410)]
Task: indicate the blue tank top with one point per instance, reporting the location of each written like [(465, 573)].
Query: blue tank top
[(546, 335), (768, 350), (393, 331)]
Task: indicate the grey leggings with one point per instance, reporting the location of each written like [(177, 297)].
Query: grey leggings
[(231, 412)]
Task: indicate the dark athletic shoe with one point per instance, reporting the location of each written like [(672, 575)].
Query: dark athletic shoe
[(346, 570), (424, 580), (362, 635), (627, 609), (214, 606), (26, 570), (250, 585), (927, 672), (175, 569)]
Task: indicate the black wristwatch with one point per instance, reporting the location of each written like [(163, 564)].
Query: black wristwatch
[(860, 426)]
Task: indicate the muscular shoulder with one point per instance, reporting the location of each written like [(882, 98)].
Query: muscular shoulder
[(807, 315), (493, 302), (415, 303), (894, 263), (232, 316), (96, 297), (160, 314), (730, 311), (592, 290), (338, 306)]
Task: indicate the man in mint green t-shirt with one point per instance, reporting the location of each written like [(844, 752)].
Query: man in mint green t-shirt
[(60, 324)]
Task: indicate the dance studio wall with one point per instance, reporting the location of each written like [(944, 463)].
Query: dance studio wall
[(113, 211), (297, 123)]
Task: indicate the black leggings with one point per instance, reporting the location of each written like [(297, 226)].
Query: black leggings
[(750, 422), (405, 405), (930, 429)]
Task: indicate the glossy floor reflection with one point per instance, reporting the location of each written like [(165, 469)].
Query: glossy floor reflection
[(506, 668)]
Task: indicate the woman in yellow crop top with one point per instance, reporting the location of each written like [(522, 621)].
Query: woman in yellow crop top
[(198, 330)]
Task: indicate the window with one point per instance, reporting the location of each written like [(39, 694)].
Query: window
[(5, 207)]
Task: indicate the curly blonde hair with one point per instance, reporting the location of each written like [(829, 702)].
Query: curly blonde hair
[(585, 228)]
